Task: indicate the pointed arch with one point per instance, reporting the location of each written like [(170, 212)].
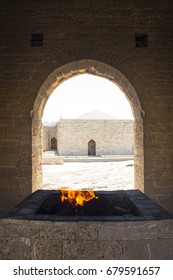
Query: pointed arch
[(68, 71), (91, 148), (53, 144)]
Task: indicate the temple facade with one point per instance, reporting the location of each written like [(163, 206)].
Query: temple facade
[(93, 134)]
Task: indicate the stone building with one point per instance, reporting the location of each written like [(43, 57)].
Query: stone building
[(49, 137), (44, 43), (93, 134)]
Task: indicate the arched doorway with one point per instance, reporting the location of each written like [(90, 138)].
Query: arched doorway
[(91, 148), (70, 70), (53, 144)]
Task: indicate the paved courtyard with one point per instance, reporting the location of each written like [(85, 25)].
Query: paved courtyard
[(94, 175)]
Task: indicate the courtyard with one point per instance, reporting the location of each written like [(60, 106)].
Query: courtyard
[(111, 175)]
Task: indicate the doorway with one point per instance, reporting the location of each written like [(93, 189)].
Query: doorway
[(91, 148), (53, 144)]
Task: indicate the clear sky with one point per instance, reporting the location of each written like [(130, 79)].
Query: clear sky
[(84, 93)]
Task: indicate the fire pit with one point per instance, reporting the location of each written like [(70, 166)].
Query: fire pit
[(87, 203), (55, 205)]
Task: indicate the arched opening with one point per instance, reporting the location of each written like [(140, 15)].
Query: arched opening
[(68, 71), (91, 148), (53, 144)]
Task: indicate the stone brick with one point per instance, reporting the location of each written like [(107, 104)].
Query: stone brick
[(164, 200), (89, 32), (25, 230), (11, 230), (135, 250), (24, 250), (86, 240), (43, 250), (9, 248), (88, 231), (130, 231), (92, 250), (66, 230), (112, 137), (161, 249), (25, 185), (1, 230)]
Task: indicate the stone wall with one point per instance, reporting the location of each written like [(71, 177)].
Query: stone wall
[(97, 37), (146, 240), (112, 137), (49, 132)]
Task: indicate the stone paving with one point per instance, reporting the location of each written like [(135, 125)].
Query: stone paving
[(94, 175)]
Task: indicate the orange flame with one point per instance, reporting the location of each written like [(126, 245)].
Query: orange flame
[(77, 197)]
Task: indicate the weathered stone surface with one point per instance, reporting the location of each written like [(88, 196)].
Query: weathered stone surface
[(161, 249), (100, 34), (75, 231), (135, 231), (23, 251), (9, 248), (66, 230), (90, 250), (135, 250), (1, 230), (28, 231), (41, 249), (52, 160), (88, 231), (112, 137), (86, 240), (11, 230)]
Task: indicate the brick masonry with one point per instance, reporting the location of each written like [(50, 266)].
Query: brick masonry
[(49, 132), (112, 137), (86, 240), (96, 37)]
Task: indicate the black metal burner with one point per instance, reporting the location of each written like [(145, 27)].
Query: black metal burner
[(132, 205)]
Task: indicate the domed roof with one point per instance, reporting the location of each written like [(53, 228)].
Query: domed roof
[(96, 115)]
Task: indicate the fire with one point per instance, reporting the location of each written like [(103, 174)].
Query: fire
[(77, 197)]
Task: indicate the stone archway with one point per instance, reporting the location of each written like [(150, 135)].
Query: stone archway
[(68, 71), (91, 148)]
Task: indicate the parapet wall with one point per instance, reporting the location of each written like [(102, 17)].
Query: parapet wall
[(145, 240)]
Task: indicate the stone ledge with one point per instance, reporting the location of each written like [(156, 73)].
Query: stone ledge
[(53, 160), (100, 241)]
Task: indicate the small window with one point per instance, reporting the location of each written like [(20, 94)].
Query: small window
[(141, 40), (37, 40)]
